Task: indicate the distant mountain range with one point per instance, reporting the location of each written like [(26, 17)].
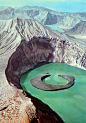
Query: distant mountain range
[(43, 15), (26, 22)]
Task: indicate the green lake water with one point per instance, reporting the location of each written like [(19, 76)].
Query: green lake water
[(56, 28), (69, 104)]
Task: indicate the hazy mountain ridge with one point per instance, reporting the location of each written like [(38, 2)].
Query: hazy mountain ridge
[(79, 29), (43, 15)]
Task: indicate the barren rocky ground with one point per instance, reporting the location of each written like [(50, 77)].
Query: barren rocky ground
[(15, 105)]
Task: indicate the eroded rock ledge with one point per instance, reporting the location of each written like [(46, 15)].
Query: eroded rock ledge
[(40, 51)]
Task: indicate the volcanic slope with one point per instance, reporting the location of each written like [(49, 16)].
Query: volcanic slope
[(12, 31), (43, 15)]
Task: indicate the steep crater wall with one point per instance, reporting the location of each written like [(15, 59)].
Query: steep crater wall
[(38, 51), (26, 56), (41, 50)]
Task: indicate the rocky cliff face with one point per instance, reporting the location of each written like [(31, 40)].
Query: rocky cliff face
[(70, 53), (26, 56), (50, 19)]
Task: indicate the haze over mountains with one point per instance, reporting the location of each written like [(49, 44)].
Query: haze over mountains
[(43, 15)]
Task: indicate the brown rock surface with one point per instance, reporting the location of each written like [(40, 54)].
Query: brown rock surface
[(12, 104), (26, 56)]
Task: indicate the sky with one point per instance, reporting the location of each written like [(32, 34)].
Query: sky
[(57, 5)]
